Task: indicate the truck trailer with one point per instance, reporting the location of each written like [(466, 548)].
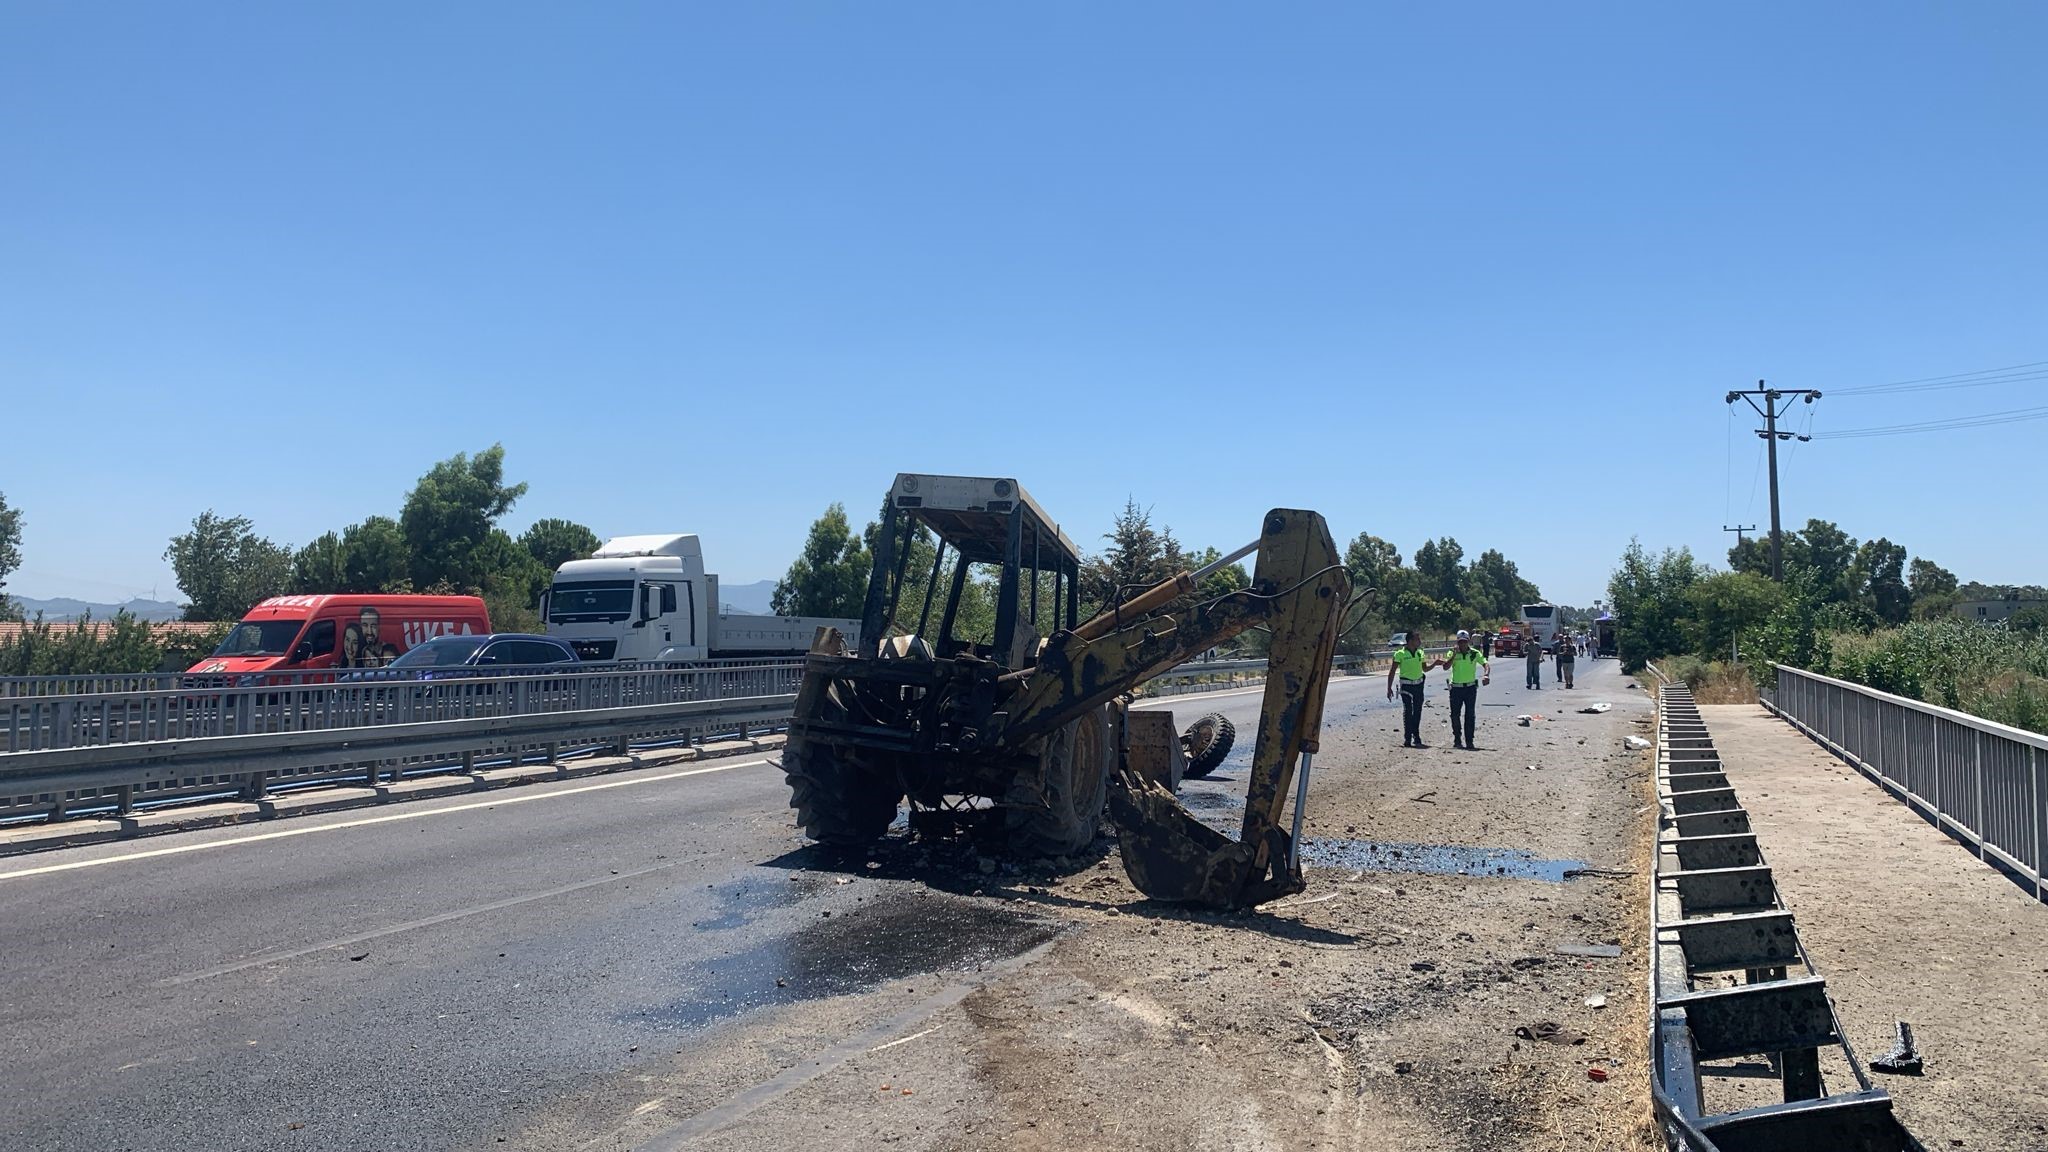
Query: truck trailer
[(647, 599)]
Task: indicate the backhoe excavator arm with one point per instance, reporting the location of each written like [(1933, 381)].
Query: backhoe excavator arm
[(1298, 593)]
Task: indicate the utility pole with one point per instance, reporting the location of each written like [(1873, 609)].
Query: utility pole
[(1770, 410), (1738, 529)]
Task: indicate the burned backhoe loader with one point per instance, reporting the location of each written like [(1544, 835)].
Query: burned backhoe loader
[(1023, 729)]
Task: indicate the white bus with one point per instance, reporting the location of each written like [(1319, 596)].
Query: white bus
[(1541, 622)]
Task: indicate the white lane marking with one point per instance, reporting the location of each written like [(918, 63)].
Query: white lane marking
[(905, 1040), (497, 802), (423, 922)]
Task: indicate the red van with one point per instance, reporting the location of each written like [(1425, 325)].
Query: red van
[(340, 631)]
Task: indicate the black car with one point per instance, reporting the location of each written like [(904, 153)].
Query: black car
[(498, 650)]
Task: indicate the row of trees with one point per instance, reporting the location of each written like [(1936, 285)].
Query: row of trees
[(445, 540), (1858, 611), (1671, 603), (1439, 592)]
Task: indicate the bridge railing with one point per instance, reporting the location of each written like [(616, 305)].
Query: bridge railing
[(1984, 783)]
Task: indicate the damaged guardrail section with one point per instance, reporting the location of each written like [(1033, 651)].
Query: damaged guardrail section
[(1744, 1039)]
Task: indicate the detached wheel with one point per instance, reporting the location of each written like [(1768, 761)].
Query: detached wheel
[(1207, 742), (1076, 763)]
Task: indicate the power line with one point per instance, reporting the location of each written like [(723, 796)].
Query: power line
[(2010, 374), (1983, 420)]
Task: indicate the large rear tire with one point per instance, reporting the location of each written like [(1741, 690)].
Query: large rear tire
[(1208, 741), (1077, 762), (836, 802)]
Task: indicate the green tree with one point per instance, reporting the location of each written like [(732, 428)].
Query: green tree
[(1933, 588), (321, 566), (1879, 571), (1368, 561), (223, 567), (375, 557), (10, 555), (1138, 557), (553, 543), (1648, 595), (510, 581), (1439, 562), (1724, 605), (450, 514), (830, 578), (1830, 554)]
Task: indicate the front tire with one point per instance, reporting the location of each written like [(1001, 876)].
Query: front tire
[(1076, 764), (838, 802)]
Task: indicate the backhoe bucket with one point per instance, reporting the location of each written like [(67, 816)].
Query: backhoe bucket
[(1172, 856), (1169, 854)]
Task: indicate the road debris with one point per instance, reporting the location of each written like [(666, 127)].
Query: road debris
[(1597, 1075), (1903, 1059), (1549, 1032), (1596, 709), (1595, 951), (1637, 742), (1596, 1002)]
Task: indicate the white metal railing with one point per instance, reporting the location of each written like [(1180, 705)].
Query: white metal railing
[(199, 706), (1979, 781)]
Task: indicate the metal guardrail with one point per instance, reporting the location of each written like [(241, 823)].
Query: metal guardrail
[(1982, 782), (187, 710), (1716, 911), (104, 683)]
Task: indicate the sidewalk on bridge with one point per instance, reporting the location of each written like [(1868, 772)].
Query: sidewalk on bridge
[(1905, 924)]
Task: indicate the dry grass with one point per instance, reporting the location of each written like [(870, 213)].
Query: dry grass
[(1623, 1119)]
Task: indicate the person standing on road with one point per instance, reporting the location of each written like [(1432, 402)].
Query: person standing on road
[(1468, 671), (1486, 643), (1564, 661), (1532, 656), (1411, 666)]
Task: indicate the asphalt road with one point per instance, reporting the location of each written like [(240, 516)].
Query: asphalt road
[(484, 971)]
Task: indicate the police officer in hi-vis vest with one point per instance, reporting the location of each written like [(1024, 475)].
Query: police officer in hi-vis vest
[(1468, 671), (1411, 666)]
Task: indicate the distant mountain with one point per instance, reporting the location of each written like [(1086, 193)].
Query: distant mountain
[(65, 608), (751, 599)]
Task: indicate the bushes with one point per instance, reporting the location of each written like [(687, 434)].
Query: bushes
[(122, 645), (1986, 670)]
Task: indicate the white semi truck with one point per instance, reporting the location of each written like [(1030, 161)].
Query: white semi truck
[(648, 599)]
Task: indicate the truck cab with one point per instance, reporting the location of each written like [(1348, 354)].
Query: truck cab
[(648, 599)]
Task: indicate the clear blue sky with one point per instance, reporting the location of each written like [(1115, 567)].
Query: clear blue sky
[(709, 267)]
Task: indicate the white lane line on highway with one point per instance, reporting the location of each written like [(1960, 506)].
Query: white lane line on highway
[(905, 1040), (498, 802), (423, 922)]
